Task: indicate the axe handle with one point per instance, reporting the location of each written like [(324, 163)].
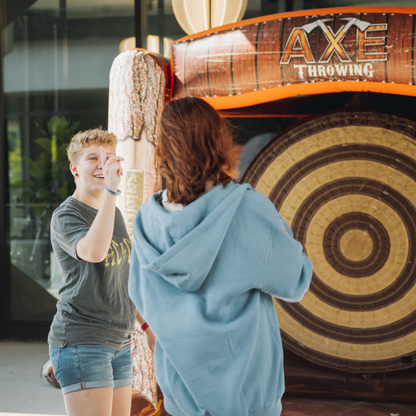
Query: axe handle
[(349, 24), (322, 25), (345, 29)]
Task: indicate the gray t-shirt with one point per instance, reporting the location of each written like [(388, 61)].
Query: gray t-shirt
[(94, 305)]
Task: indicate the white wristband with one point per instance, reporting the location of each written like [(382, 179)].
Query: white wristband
[(118, 193)]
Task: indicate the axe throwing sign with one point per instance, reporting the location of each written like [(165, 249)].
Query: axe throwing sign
[(368, 48), (299, 53)]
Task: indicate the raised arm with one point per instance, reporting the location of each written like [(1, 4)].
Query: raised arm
[(288, 271), (94, 246)]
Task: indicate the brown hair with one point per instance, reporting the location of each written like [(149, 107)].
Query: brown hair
[(86, 138), (195, 145)]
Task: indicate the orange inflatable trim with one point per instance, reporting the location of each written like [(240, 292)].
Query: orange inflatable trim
[(246, 100)]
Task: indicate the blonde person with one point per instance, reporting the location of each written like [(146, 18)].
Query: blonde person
[(90, 336)]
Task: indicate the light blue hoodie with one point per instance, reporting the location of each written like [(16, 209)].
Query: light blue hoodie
[(203, 278)]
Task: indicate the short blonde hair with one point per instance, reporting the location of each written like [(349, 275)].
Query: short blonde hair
[(86, 138)]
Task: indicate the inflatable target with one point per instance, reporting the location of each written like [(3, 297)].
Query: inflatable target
[(346, 185)]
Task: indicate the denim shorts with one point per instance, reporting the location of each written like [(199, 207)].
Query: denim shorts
[(82, 367)]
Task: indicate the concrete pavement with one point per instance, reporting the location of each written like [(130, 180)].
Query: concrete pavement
[(22, 389)]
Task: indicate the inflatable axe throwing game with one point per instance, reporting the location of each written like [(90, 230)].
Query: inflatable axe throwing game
[(344, 180)]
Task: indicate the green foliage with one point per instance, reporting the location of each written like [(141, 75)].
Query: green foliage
[(51, 181), (15, 155)]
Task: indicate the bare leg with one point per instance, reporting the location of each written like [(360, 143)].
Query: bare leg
[(90, 402), (121, 401)]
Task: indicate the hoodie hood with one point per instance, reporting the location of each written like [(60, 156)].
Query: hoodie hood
[(182, 246)]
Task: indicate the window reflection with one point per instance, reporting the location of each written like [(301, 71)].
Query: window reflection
[(58, 55)]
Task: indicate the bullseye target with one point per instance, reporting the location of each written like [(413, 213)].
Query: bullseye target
[(346, 185)]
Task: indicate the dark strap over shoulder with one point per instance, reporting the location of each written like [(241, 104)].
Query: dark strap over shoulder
[(159, 199)]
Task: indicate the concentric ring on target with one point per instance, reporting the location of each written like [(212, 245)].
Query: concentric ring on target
[(356, 244), (379, 211), (346, 184)]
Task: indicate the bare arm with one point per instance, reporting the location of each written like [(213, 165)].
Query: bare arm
[(139, 318), (94, 246), (150, 336)]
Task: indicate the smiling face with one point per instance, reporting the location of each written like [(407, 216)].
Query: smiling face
[(89, 168)]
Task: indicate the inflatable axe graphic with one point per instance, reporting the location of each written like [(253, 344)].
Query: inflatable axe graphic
[(311, 26), (357, 22), (351, 21)]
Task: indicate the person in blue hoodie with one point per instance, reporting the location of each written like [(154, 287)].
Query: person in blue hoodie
[(207, 257)]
